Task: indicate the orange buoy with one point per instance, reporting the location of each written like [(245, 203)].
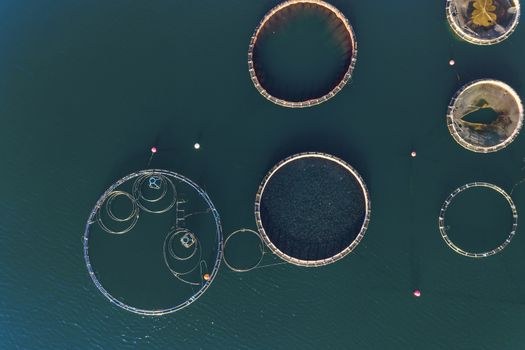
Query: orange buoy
[(206, 277)]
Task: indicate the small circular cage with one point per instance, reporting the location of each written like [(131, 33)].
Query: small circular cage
[(445, 226), (485, 135), (153, 242), (312, 209), (243, 250), (302, 53), (483, 22)]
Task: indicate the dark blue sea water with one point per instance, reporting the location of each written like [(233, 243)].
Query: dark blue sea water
[(87, 87)]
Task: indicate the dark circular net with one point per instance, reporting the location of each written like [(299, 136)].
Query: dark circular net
[(312, 208)]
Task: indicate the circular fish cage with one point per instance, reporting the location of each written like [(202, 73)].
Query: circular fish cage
[(481, 96), (153, 242), (312, 209), (247, 259), (483, 22), (302, 53), (444, 228)]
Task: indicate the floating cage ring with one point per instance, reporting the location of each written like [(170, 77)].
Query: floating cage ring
[(187, 240), (363, 226), (483, 22), (107, 202), (208, 267), (485, 137), (190, 269), (240, 231), (350, 39), (111, 197), (153, 180), (443, 227)]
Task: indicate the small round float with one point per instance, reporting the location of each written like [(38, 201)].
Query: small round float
[(491, 96), (312, 209), (483, 22), (302, 53)]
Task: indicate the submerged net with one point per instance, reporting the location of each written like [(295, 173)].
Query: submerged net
[(302, 53), (485, 136), (312, 209), (153, 242), (483, 22)]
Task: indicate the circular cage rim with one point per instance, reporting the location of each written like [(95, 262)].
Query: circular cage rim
[(480, 149), (241, 230), (320, 262), (458, 30), (452, 245), (205, 285), (314, 101)]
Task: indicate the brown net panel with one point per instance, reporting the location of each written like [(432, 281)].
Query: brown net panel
[(302, 53)]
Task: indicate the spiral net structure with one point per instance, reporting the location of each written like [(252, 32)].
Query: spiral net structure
[(443, 227), (483, 22), (312, 209), (302, 89), (485, 94), (153, 242)]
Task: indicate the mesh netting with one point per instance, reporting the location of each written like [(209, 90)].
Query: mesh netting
[(485, 136), (483, 22), (302, 53), (312, 209)]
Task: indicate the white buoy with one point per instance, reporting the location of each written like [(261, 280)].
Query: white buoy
[(451, 62), (197, 146)]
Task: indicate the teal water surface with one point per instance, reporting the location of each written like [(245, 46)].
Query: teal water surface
[(87, 87)]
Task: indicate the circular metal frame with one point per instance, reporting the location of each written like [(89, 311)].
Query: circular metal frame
[(163, 182), (178, 274), (112, 197), (134, 215), (464, 33), (258, 261), (93, 218), (172, 236), (137, 193), (315, 101), (452, 127), (443, 228), (321, 262)]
